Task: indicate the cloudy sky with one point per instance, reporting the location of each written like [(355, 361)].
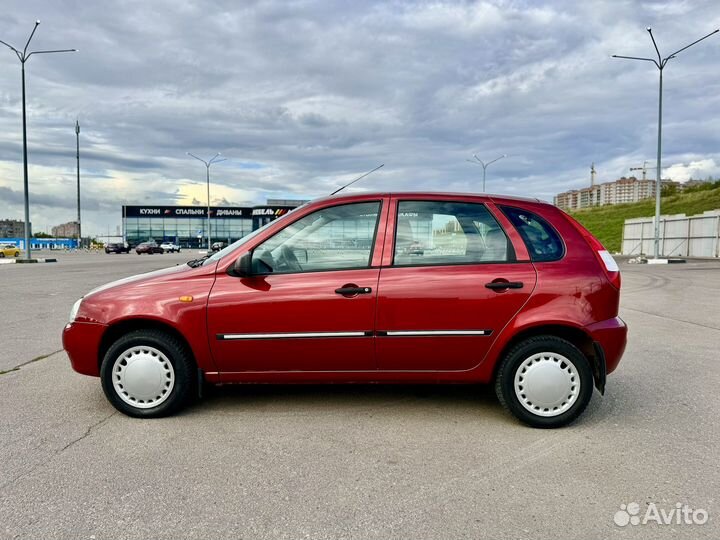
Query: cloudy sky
[(302, 96)]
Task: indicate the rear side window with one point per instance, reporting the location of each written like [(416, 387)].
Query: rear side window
[(542, 241), (446, 233)]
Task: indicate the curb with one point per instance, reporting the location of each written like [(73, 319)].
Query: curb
[(26, 261), (645, 260)]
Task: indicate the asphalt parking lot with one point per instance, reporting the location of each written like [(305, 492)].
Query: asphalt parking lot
[(357, 461)]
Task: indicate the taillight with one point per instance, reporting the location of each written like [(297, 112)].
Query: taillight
[(607, 262)]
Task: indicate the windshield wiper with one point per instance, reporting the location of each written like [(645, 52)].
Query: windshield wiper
[(198, 262)]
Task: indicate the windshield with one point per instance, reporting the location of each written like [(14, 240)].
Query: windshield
[(232, 247)]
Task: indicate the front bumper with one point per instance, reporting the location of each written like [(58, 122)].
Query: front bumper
[(81, 341)]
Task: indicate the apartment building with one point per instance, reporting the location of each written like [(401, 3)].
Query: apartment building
[(622, 190), (66, 230), (13, 228)]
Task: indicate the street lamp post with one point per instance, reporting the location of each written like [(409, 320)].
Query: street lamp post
[(660, 63), (207, 164), (77, 155), (24, 56), (479, 161)]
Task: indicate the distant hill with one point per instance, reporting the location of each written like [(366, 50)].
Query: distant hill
[(606, 222)]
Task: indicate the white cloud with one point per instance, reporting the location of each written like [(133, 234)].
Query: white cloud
[(699, 170), (317, 92)]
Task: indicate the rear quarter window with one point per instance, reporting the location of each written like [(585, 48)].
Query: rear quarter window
[(542, 240)]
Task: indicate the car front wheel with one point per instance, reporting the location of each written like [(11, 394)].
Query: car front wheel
[(147, 374), (545, 382)]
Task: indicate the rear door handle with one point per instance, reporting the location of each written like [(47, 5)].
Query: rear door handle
[(500, 285), (352, 291)]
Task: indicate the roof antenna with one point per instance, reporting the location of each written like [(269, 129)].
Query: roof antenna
[(358, 178)]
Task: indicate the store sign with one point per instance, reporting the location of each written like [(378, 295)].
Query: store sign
[(231, 212), (276, 212), (186, 211)]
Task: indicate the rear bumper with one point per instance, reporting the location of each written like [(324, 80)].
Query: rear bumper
[(81, 341), (611, 337)]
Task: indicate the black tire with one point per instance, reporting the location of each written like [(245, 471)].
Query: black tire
[(183, 369), (2, 255), (518, 358)]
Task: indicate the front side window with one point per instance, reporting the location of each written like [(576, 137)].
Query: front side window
[(335, 238), (542, 241), (443, 232)]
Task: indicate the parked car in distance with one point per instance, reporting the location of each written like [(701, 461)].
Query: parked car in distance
[(117, 247), (170, 247), (217, 246), (377, 287), (9, 250), (149, 248)]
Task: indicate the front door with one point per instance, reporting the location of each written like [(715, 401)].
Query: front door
[(311, 306), (452, 287)]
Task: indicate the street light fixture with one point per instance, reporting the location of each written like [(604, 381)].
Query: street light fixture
[(24, 56), (660, 64), (479, 161), (207, 164)]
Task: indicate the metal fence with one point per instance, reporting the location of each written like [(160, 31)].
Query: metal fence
[(680, 235)]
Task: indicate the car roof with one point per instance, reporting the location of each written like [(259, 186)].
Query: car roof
[(422, 194)]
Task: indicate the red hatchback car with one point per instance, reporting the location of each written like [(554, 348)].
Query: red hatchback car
[(382, 287)]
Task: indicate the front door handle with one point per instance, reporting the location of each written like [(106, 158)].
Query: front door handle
[(352, 290), (502, 285)]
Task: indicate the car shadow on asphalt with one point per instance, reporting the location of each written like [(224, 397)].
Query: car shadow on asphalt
[(461, 401), (313, 397)]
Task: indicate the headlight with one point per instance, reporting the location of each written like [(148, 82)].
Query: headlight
[(74, 310)]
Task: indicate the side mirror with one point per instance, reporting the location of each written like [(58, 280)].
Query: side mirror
[(243, 266)]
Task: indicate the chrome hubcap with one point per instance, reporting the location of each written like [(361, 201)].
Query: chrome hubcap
[(143, 377), (547, 384)]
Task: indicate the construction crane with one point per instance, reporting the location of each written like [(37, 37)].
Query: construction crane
[(644, 169)]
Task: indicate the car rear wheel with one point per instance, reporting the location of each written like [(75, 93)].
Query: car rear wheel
[(545, 382), (2, 255), (148, 374)]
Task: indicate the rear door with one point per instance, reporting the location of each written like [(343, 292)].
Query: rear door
[(451, 283)]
